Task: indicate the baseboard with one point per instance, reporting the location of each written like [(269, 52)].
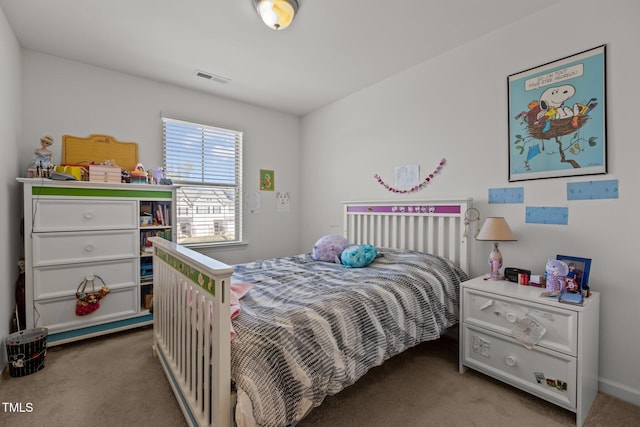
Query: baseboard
[(620, 391)]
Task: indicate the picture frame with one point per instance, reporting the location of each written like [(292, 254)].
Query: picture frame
[(267, 180), (580, 267), (557, 118)]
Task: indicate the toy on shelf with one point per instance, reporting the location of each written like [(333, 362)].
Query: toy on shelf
[(42, 165), (139, 175)]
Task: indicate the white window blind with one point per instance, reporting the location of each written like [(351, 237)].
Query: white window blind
[(206, 162)]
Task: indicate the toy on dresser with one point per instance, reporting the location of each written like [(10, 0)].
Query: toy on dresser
[(42, 165), (556, 272)]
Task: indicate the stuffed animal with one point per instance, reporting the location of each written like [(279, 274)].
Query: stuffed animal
[(556, 272), (157, 174)]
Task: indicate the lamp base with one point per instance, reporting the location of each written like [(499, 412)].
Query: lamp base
[(495, 261)]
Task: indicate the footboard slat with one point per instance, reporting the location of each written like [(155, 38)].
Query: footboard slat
[(192, 330)]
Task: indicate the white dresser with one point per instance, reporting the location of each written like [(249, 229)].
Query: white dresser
[(76, 229), (501, 323)]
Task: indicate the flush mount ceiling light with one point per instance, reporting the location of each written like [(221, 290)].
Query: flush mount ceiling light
[(277, 14)]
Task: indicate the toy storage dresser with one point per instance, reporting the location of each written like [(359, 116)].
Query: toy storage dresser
[(535, 343), (74, 230)]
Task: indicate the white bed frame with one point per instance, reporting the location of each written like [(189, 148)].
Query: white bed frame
[(188, 285)]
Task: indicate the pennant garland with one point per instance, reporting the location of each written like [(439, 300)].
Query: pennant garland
[(417, 187)]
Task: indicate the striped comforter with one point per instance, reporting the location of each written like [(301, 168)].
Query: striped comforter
[(308, 328)]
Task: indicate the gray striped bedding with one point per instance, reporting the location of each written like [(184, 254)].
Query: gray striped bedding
[(308, 328)]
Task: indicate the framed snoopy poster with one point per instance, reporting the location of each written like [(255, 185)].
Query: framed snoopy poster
[(557, 120)]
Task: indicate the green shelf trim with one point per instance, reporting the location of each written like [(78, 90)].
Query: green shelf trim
[(100, 192), (197, 277)]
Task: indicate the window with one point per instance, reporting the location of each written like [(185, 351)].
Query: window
[(206, 163)]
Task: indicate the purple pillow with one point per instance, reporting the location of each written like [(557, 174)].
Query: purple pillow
[(328, 248)]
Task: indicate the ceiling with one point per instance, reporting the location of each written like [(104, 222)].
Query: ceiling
[(332, 49)]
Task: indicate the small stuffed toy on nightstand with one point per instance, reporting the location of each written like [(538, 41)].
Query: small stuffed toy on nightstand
[(556, 272)]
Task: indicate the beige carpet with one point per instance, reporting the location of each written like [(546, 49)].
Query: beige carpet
[(116, 381)]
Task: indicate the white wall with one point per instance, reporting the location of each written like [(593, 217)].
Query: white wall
[(67, 97), (10, 108), (455, 106)]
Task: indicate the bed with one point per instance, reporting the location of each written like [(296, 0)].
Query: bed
[(307, 328)]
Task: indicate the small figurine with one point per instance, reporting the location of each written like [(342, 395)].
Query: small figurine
[(139, 175), (157, 174), (571, 283), (42, 165)]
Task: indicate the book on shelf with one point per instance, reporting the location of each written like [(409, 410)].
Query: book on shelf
[(160, 215), (146, 246), (155, 214)]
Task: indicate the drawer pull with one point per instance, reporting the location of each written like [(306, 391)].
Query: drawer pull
[(89, 215), (89, 248), (511, 318), (511, 360), (486, 304)]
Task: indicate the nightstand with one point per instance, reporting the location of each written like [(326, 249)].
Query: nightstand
[(501, 323)]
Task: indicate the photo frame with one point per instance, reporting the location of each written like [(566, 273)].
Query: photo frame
[(579, 268), (267, 180), (557, 118)]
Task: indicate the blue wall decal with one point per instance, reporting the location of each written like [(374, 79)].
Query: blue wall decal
[(506, 195), (547, 215), (589, 190)]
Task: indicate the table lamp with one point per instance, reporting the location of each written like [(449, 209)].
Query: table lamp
[(496, 229)]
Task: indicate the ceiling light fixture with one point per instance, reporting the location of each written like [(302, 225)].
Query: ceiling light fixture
[(277, 14)]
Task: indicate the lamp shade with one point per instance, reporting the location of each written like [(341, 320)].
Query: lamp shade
[(277, 14), (496, 229)]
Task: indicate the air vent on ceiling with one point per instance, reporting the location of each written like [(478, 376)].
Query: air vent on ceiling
[(212, 77)]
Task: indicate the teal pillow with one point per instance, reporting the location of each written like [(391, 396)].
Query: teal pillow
[(357, 256)]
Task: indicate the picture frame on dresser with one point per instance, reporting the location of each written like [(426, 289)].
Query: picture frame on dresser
[(579, 268)]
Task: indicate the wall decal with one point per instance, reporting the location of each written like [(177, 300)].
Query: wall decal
[(420, 186), (252, 202), (590, 190), (506, 195), (283, 201), (547, 215), (407, 175)]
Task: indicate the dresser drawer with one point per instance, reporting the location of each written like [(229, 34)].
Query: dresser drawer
[(74, 214), (500, 313), (546, 374), (58, 314), (66, 248), (63, 280)]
